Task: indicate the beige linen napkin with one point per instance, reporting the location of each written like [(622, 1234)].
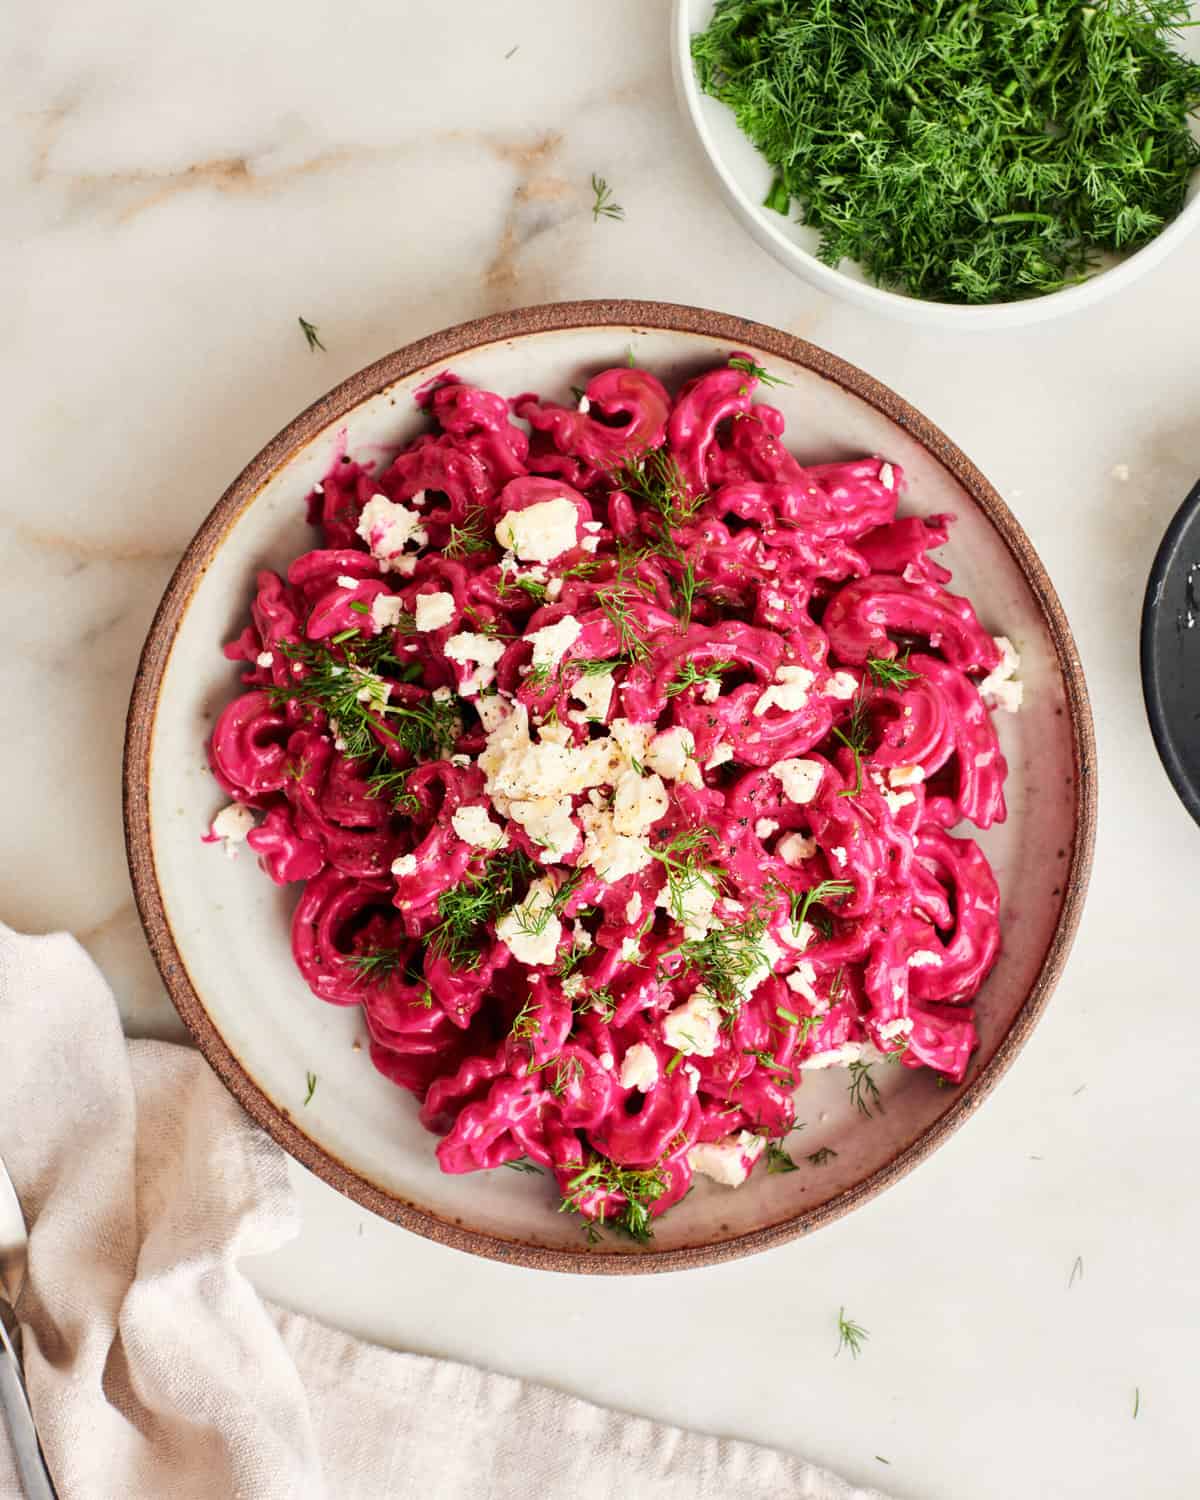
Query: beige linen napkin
[(155, 1370)]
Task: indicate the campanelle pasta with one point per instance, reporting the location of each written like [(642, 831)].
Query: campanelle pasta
[(616, 753)]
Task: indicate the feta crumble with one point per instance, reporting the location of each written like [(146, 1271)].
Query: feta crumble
[(386, 610), (552, 642), (842, 685), (434, 611), (789, 691), (727, 1161), (540, 532), (694, 1027), (799, 778), (231, 825), (794, 849), (836, 1057), (765, 827), (531, 931), (264, 659), (668, 753), (387, 528), (405, 865), (475, 827), (595, 693), (1000, 688), (483, 650)]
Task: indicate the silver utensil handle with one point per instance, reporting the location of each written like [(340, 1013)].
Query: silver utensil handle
[(35, 1477)]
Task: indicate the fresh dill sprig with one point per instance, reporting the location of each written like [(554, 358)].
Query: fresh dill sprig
[(527, 1023), (819, 1157), (748, 367), (374, 966), (640, 1188), (471, 536), (973, 153), (523, 1164), (310, 333), (863, 1090), (891, 674), (851, 1335), (465, 909), (778, 1160), (310, 1080), (689, 675), (596, 666), (603, 205), (615, 601), (393, 785), (854, 735), (727, 958), (820, 894)]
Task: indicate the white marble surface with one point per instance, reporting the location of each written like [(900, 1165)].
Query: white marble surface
[(182, 184)]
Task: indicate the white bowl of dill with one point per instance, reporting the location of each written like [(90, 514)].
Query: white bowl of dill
[(993, 162)]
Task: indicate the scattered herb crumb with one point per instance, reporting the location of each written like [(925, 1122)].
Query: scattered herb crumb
[(511, 51), (523, 1165), (819, 1158), (778, 1160), (879, 1459), (1076, 1092), (851, 1335), (1137, 1401), (1076, 1272), (311, 1080), (311, 331), (604, 205)]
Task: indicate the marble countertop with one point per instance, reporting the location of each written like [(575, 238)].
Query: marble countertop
[(183, 184)]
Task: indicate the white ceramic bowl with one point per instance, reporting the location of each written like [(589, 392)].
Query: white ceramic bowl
[(220, 930), (744, 179)]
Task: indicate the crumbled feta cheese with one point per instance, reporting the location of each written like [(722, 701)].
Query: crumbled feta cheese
[(634, 739), (890, 1030), (887, 476), (593, 526), (388, 527), (694, 1027), (373, 690), (789, 690), (584, 406), (668, 752), (639, 802), (901, 776), (462, 761), (841, 685), (581, 938), (710, 691), (836, 1057), (595, 693), (690, 901), (554, 588), (552, 642), (924, 958), (531, 931), (639, 1068), (348, 581), (442, 695), (721, 753), (729, 1161), (540, 532), (474, 826), (840, 855), (606, 1060), (590, 543), (794, 849), (548, 822), (405, 865), (797, 935), (484, 650), (692, 1073), (1000, 689), (1120, 472), (633, 908), (611, 854), (264, 659), (232, 824), (765, 827), (799, 778), (386, 610), (492, 709), (434, 611), (802, 980), (572, 986), (631, 950)]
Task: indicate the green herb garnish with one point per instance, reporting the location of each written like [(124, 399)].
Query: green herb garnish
[(748, 367), (778, 1160), (523, 1164), (864, 1092), (465, 910), (817, 895), (819, 1157), (603, 206), (639, 1188), (471, 536), (851, 1335), (377, 964), (310, 333), (974, 152), (689, 675), (891, 674), (311, 1080)]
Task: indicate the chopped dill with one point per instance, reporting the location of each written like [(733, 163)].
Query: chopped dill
[(748, 367), (465, 909), (376, 965), (891, 674), (689, 675), (778, 1160), (310, 332), (822, 1155), (639, 1188), (471, 536), (523, 1164), (863, 1090), (818, 895), (851, 1335), (603, 205), (311, 1080)]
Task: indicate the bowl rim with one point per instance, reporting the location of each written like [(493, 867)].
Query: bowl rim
[(628, 317), (758, 221), (1162, 721)]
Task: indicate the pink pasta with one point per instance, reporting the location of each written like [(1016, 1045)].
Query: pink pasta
[(616, 753)]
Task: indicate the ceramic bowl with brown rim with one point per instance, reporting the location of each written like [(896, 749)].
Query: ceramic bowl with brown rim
[(219, 928)]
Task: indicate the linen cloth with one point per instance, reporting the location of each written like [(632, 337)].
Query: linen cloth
[(155, 1370)]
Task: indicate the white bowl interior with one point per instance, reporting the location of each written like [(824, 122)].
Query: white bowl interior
[(231, 924), (745, 179)]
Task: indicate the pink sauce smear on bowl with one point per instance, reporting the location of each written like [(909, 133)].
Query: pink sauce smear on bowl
[(616, 753)]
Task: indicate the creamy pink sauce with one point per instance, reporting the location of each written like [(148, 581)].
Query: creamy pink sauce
[(795, 567)]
